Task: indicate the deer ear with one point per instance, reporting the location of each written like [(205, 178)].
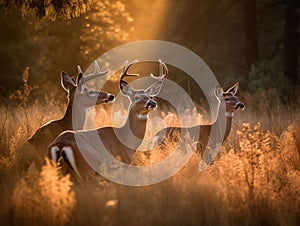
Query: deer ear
[(66, 81), (154, 89), (79, 77), (232, 90), (219, 92), (126, 88)]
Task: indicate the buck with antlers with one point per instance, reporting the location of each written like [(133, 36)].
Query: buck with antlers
[(74, 117), (203, 132), (133, 131)]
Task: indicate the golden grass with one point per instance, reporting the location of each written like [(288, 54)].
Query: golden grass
[(43, 197), (254, 180)]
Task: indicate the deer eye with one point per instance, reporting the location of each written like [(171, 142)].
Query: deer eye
[(92, 93), (227, 99)]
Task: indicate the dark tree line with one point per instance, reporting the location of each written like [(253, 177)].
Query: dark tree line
[(291, 41), (251, 33), (255, 42), (241, 38)]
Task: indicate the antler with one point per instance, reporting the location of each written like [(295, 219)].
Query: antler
[(124, 73), (97, 73), (163, 71)]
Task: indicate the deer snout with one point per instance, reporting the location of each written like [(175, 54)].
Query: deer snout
[(151, 104), (240, 105), (111, 97)]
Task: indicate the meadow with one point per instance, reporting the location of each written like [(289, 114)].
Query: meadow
[(255, 179)]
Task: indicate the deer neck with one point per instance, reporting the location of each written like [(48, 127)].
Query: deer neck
[(229, 116), (134, 130), (74, 118), (219, 123)]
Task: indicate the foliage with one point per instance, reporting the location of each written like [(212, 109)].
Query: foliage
[(266, 75), (43, 197), (106, 25), (67, 9), (22, 96), (23, 42), (260, 171), (51, 47)]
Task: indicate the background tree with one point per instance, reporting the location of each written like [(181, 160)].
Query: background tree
[(66, 9), (23, 43), (49, 47), (291, 41), (107, 24), (251, 33)]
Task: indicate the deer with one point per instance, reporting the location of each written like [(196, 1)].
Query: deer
[(141, 103), (85, 99), (203, 132)]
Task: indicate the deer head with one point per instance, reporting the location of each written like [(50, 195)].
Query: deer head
[(232, 102), (141, 100), (85, 96)]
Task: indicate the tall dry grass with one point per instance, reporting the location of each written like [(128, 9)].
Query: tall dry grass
[(254, 180)]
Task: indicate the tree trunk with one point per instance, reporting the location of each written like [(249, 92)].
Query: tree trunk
[(250, 30), (291, 42)]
